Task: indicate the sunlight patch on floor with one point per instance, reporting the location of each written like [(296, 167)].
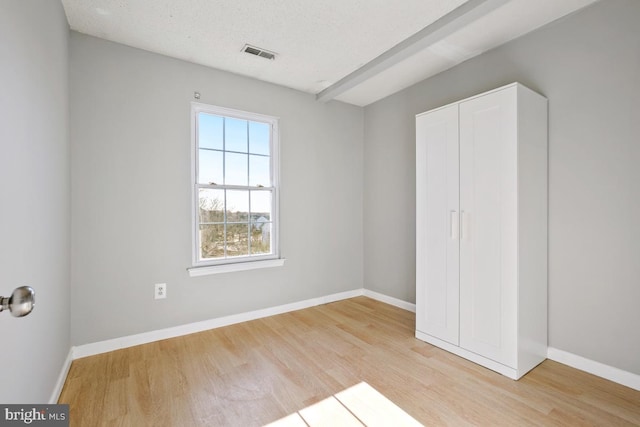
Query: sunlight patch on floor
[(360, 405)]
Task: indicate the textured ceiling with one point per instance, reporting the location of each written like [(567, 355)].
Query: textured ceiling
[(317, 42)]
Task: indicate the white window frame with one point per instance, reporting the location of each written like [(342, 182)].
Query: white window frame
[(222, 265)]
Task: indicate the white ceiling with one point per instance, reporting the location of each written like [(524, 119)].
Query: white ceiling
[(318, 43)]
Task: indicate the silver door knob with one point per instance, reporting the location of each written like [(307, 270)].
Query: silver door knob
[(21, 301)]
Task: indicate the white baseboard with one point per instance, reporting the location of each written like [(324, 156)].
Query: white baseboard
[(390, 300), (610, 373), (176, 331), (61, 378)]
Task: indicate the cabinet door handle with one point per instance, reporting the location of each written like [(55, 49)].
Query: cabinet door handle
[(455, 224)]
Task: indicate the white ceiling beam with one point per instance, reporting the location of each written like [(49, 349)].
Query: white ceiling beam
[(431, 34)]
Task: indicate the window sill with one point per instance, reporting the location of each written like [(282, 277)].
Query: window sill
[(229, 268)]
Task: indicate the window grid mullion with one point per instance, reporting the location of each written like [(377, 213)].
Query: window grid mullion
[(249, 225), (224, 181), (232, 152), (224, 150), (224, 215), (235, 187), (248, 194)]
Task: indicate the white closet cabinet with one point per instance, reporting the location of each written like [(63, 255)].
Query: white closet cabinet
[(481, 224)]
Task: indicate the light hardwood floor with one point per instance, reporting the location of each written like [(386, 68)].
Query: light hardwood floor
[(257, 372)]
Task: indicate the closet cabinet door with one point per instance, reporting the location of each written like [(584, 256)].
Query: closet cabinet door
[(488, 246), (437, 224)]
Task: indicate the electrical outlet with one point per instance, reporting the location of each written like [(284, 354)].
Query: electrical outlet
[(161, 291)]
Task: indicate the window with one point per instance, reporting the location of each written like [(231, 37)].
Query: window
[(235, 186)]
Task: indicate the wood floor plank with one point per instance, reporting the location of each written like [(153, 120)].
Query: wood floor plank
[(258, 372)]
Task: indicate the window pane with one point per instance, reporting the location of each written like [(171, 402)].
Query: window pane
[(211, 205), (237, 206), (259, 138), (260, 206), (212, 241), (236, 169), (235, 135), (237, 239), (260, 238), (259, 171), (210, 131), (210, 167)]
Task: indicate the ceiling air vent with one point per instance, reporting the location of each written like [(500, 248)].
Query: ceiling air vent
[(258, 52)]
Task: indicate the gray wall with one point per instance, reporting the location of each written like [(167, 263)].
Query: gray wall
[(131, 205), (34, 193), (588, 65)]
